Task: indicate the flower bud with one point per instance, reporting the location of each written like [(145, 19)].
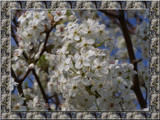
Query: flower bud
[(72, 18), (37, 56), (31, 66)]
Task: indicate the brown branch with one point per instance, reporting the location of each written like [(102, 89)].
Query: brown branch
[(24, 76), (45, 3), (145, 2), (113, 17), (70, 3), (20, 3), (19, 87), (136, 85), (109, 13), (50, 97), (138, 18), (57, 101), (131, 28), (45, 42), (137, 61), (41, 87), (95, 4), (120, 4)]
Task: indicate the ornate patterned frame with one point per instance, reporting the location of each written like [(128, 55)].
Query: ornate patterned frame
[(154, 95)]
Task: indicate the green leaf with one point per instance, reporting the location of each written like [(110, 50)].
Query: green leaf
[(43, 63), (68, 13)]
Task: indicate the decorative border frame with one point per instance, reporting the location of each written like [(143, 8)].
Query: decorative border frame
[(154, 95)]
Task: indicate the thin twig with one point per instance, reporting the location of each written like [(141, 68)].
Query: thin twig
[(45, 2), (45, 97), (145, 2), (40, 85), (95, 3), (24, 76), (57, 101), (70, 3), (109, 14), (50, 97), (20, 3), (137, 61), (120, 4)]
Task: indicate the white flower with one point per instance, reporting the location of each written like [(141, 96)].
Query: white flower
[(100, 67), (74, 88), (36, 104), (38, 17), (13, 83), (122, 54), (53, 107), (50, 86), (102, 33), (31, 66), (66, 64), (119, 82), (89, 27), (14, 116), (103, 101), (85, 42), (17, 103), (18, 52), (60, 30), (82, 103), (36, 29), (17, 99), (120, 42), (83, 76), (22, 19), (70, 25), (19, 107), (80, 62), (58, 15), (145, 109), (74, 33), (99, 84)]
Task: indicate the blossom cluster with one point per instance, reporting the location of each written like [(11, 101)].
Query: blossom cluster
[(74, 65), (89, 78)]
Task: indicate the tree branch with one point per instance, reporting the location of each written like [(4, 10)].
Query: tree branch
[(57, 101), (45, 42), (136, 85), (45, 97), (25, 75), (95, 4), (40, 86), (70, 3), (109, 14), (19, 87)]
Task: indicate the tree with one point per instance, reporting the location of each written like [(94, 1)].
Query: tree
[(79, 60)]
